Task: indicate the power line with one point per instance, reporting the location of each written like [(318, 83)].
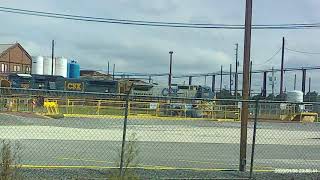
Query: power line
[(154, 23), (254, 71), (268, 60), (302, 52), (119, 22), (113, 19)]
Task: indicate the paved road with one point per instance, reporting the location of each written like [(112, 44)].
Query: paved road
[(165, 144)]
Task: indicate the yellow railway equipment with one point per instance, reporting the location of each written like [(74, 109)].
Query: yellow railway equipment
[(153, 109)]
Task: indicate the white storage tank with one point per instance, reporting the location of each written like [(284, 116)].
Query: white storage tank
[(295, 96), (47, 65), (37, 65), (61, 67)]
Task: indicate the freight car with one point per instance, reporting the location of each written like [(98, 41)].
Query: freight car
[(60, 86), (182, 91)]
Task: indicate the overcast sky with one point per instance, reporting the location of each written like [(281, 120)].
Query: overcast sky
[(145, 49)]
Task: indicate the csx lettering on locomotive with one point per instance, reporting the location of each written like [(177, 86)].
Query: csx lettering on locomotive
[(74, 86)]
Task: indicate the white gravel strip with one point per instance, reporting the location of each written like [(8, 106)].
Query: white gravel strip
[(162, 134)]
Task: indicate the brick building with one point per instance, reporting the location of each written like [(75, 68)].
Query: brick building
[(14, 59)]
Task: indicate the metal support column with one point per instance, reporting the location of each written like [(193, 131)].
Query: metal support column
[(309, 84), (150, 78), (282, 68), (213, 86), (230, 83), (295, 82), (190, 80), (221, 79), (108, 70), (52, 56), (303, 85), (170, 72), (264, 87), (113, 71), (236, 75)]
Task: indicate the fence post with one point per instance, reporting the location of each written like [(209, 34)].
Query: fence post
[(185, 110), (121, 173), (212, 111), (225, 112), (72, 104), (157, 109), (98, 110), (18, 102), (129, 109), (254, 135), (67, 106)]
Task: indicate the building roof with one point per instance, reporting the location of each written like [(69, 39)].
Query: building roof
[(6, 47)]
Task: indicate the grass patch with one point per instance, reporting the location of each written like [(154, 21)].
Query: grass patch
[(131, 152), (9, 161), (55, 116)]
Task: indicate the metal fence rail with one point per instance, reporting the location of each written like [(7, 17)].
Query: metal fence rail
[(156, 108)]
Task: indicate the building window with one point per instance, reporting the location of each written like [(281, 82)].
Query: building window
[(27, 69), (4, 67), (16, 68)]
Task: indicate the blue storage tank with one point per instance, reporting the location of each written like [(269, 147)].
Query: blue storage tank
[(74, 70), (68, 70)]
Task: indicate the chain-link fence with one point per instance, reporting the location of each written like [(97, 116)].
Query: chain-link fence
[(139, 137), (289, 147)]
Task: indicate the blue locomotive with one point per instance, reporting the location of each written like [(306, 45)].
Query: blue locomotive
[(103, 86)]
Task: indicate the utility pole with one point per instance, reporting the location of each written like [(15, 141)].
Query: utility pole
[(272, 81), (114, 68), (245, 86), (108, 68), (236, 75), (52, 57), (170, 73), (295, 82), (230, 79), (190, 80), (250, 79), (221, 79), (282, 67), (213, 86)]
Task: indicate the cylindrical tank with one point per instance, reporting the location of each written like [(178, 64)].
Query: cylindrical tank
[(295, 96), (60, 67), (37, 65), (74, 70), (47, 65), (68, 70)]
